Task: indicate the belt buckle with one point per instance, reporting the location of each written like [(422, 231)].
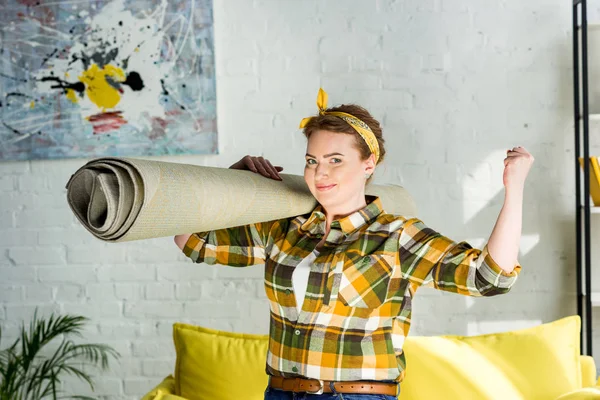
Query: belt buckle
[(320, 391)]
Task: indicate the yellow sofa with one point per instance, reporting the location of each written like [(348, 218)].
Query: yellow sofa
[(542, 362)]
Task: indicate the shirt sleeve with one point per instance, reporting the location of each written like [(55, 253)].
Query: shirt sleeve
[(240, 246), (428, 258)]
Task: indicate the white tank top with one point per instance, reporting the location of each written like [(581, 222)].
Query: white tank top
[(300, 278)]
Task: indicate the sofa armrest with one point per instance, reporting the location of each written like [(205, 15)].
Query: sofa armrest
[(588, 393), (588, 371), (163, 391)]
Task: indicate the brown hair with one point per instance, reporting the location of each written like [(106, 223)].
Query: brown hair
[(336, 124)]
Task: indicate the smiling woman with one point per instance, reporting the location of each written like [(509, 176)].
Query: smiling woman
[(345, 144), (328, 121), (341, 279)]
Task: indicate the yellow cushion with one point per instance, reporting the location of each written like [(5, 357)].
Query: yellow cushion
[(589, 393), (542, 362), (215, 365), (588, 371), (163, 391)]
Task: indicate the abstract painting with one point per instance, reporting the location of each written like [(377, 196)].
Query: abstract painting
[(98, 78)]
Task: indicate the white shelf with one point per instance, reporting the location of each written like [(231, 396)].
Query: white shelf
[(593, 210), (593, 117), (595, 299), (591, 26)]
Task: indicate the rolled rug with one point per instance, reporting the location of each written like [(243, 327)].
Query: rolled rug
[(124, 199)]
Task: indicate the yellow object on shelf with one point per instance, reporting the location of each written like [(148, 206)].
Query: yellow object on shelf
[(594, 179)]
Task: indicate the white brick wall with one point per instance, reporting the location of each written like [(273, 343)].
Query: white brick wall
[(455, 84)]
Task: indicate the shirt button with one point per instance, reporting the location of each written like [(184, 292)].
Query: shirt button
[(294, 369), (297, 332), (288, 291)]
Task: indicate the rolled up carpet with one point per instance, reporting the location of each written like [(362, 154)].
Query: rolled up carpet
[(124, 199)]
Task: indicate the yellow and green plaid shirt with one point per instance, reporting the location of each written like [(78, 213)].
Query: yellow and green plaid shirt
[(357, 307)]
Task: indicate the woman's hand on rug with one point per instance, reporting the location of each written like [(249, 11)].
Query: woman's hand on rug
[(254, 164), (181, 240), (258, 165)]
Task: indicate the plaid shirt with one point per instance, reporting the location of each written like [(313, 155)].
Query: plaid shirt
[(357, 308)]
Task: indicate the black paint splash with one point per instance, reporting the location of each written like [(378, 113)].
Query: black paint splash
[(166, 93), (134, 81), (78, 86), (48, 57), (16, 131), (162, 85), (13, 94), (17, 94)]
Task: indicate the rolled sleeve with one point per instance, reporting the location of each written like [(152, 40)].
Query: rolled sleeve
[(492, 273)]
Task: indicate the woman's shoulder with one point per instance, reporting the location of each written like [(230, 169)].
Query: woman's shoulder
[(395, 219), (394, 223)]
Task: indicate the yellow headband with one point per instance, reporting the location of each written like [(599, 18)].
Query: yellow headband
[(359, 126)]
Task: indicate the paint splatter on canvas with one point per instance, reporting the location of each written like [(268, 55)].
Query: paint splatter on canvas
[(106, 78)]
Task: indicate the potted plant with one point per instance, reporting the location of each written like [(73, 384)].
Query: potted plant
[(26, 373)]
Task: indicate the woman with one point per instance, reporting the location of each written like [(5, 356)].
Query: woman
[(340, 279)]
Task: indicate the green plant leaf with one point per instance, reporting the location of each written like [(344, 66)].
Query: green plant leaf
[(27, 374)]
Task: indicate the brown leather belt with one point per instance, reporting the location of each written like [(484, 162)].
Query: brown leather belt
[(315, 386)]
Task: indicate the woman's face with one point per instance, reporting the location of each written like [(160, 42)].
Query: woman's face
[(334, 172)]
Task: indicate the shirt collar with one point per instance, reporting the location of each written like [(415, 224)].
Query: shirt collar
[(315, 223)]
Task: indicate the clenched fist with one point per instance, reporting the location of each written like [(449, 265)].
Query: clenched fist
[(517, 164)]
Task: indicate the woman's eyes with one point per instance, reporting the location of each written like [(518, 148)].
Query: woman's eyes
[(309, 161)]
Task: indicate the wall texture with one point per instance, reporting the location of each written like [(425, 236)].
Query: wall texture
[(455, 84)]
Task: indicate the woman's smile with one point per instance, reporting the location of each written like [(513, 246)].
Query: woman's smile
[(325, 188)]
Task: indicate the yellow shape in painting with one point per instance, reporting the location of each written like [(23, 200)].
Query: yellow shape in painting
[(32, 104), (100, 92), (71, 95)]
